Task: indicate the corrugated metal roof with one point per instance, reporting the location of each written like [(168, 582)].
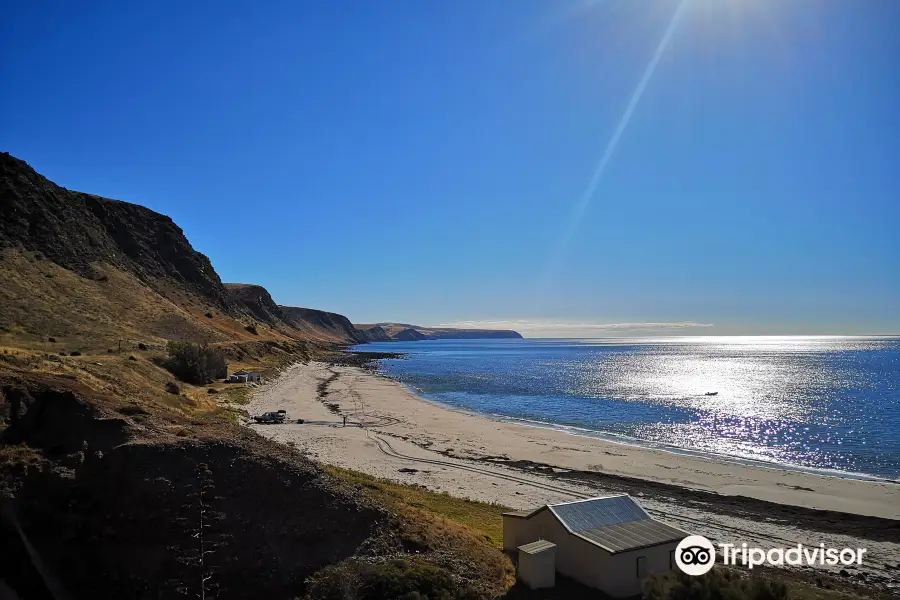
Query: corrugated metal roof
[(536, 547), (615, 523), (632, 535), (583, 515)]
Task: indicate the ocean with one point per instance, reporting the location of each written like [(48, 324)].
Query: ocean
[(829, 404)]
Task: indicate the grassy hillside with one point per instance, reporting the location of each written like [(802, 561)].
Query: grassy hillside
[(100, 443), (327, 325), (95, 273)]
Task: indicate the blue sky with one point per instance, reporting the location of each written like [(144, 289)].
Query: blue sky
[(424, 161)]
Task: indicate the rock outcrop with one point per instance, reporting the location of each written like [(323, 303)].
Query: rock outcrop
[(408, 335), (74, 229), (256, 300), (321, 322), (372, 333), (393, 330)]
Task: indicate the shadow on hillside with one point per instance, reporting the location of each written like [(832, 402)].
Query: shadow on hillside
[(565, 589)]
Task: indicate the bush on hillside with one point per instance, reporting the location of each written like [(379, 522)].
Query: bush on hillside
[(252, 329), (718, 584), (196, 363), (410, 579), (173, 388)]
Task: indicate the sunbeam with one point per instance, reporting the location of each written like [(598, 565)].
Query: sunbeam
[(585, 200)]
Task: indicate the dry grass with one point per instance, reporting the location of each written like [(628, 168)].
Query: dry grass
[(41, 300), (20, 454), (481, 518), (235, 394), (113, 310), (469, 530)]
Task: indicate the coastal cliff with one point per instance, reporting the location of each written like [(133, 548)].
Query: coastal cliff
[(407, 332), (372, 333), (78, 264), (101, 442)]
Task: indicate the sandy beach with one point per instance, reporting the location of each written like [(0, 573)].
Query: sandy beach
[(392, 433)]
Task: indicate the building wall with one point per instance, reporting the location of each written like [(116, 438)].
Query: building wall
[(623, 576), (614, 574), (575, 557), (538, 570), (518, 531)]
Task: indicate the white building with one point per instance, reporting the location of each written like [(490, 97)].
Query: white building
[(244, 377), (610, 543)]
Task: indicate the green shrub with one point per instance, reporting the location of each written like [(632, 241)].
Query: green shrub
[(195, 363), (410, 579), (718, 584), (173, 388)]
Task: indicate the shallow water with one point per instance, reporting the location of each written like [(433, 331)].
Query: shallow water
[(811, 402)]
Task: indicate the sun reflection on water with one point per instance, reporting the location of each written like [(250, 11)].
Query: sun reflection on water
[(819, 402)]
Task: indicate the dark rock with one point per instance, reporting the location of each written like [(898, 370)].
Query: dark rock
[(38, 215), (408, 335), (372, 333), (329, 322)]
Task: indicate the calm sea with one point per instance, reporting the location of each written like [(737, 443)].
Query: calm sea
[(816, 403)]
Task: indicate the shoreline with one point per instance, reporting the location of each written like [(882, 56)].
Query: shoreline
[(632, 442), (457, 433), (395, 434)]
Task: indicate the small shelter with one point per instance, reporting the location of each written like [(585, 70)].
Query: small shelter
[(607, 543), (244, 377), (537, 564)]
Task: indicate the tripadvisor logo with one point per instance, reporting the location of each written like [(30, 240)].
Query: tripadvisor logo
[(696, 555)]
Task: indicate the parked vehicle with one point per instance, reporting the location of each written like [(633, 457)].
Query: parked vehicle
[(273, 417)]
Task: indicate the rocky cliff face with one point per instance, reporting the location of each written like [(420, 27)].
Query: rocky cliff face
[(75, 229), (256, 301), (96, 270), (393, 330), (303, 323), (335, 325), (408, 335), (372, 333), (470, 334)]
